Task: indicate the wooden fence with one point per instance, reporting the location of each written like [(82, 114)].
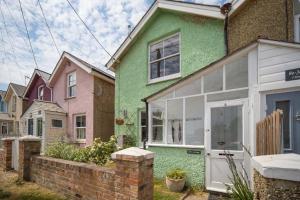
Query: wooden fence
[(269, 134)]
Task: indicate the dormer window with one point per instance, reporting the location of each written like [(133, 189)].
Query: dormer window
[(164, 59), (71, 85), (41, 92)]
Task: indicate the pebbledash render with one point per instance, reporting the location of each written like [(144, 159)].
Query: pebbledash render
[(175, 89), (184, 36)]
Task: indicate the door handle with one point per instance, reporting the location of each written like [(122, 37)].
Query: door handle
[(224, 154), (208, 154)]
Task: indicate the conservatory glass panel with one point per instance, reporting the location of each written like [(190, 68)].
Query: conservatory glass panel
[(213, 81), (239, 94), (157, 116), (194, 124), (192, 88), (175, 121), (237, 73)]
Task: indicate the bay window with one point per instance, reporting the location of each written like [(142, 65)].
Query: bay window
[(164, 59)]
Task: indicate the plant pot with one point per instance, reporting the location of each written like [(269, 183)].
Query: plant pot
[(175, 185)]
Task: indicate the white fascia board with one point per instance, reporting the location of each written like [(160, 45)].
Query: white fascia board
[(103, 77), (197, 9), (236, 4), (31, 79), (279, 43), (66, 55)]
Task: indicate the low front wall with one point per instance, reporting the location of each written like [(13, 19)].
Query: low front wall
[(6, 155), (274, 189), (72, 179), (168, 158)]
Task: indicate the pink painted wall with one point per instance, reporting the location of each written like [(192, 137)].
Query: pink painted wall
[(81, 104), (32, 92)]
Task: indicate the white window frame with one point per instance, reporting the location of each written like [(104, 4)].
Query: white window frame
[(168, 77), (69, 86), (75, 128), (62, 125), (297, 28), (14, 104), (204, 94), (141, 126), (41, 88), (4, 124)]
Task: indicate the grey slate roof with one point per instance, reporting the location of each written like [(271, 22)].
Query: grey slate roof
[(49, 106), (19, 89), (43, 74)]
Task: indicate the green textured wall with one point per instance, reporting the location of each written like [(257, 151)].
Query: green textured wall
[(202, 42), (170, 158)]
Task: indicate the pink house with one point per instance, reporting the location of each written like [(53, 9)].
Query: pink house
[(86, 94), (38, 88)]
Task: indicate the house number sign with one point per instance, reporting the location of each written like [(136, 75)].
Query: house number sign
[(292, 74)]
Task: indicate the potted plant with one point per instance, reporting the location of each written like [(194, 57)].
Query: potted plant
[(175, 180)]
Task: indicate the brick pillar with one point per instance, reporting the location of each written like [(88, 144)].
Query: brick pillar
[(134, 174), (6, 157), (28, 146)]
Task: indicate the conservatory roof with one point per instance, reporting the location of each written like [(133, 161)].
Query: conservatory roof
[(221, 61)]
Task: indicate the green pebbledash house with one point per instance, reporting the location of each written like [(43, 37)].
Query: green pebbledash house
[(171, 41)]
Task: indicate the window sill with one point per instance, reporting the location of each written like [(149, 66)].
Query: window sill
[(80, 141), (68, 98), (177, 146), (162, 79)]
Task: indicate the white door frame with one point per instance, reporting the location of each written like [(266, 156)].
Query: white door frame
[(207, 139)]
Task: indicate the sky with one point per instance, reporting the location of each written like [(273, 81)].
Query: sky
[(107, 19)]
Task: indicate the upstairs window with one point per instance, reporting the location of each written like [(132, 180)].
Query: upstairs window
[(164, 59), (14, 104), (71, 85), (41, 93)]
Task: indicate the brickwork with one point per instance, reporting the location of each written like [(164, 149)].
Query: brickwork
[(131, 178), (27, 148), (6, 154), (275, 189)]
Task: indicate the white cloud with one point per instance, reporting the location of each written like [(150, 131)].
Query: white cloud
[(107, 19)]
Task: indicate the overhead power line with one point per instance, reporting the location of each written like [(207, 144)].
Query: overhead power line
[(86, 26), (20, 4), (48, 26)]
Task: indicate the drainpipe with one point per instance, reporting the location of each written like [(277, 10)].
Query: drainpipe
[(147, 119), (225, 9)]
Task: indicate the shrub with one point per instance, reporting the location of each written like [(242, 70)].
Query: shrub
[(176, 174), (240, 189), (99, 153)]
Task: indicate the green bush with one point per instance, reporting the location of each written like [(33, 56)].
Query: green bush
[(176, 174), (99, 153)]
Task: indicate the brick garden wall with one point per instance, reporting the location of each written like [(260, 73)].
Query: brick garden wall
[(72, 179), (5, 154), (275, 189)]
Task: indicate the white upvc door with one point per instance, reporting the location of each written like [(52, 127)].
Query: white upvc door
[(225, 132)]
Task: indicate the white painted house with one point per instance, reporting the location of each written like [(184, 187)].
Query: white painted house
[(217, 107)]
